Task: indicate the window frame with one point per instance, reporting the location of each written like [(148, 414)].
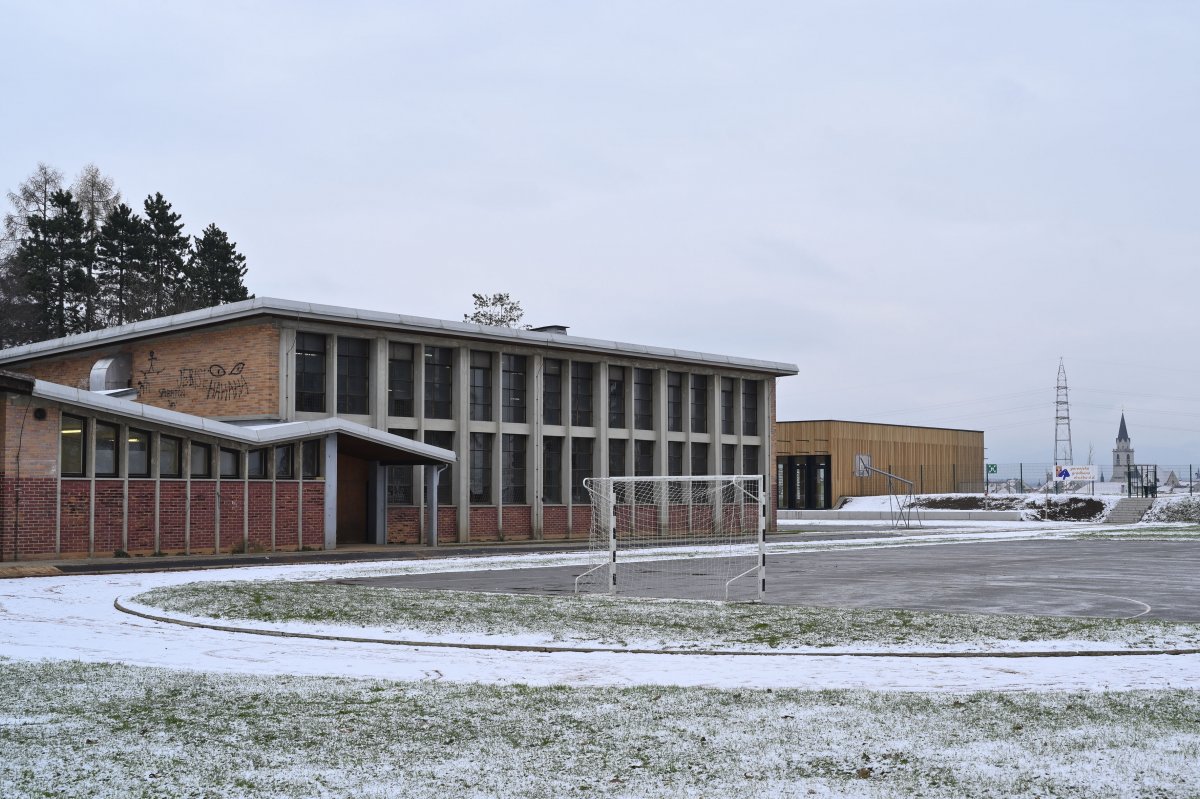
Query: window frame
[(97, 427), (699, 403), (514, 488), (195, 447), (353, 376), (514, 379), (439, 382), (552, 391), (616, 397), (479, 489), (83, 446), (131, 432), (580, 470), (675, 402), (308, 399), (163, 464), (481, 386), (552, 469), (401, 379)]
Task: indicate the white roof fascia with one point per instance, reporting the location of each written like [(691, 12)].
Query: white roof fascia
[(260, 435), (419, 324)]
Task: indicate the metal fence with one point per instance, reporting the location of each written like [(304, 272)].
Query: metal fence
[(1031, 477)]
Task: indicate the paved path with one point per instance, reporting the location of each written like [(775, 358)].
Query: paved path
[(1114, 579)]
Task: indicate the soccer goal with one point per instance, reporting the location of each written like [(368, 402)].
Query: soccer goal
[(682, 537)]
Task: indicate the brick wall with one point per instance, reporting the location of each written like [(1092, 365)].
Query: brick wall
[(554, 522), (517, 523), (222, 372), (314, 515), (404, 524), (141, 517)]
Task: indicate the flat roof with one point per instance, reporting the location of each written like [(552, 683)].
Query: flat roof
[(877, 424), (369, 439), (312, 312)]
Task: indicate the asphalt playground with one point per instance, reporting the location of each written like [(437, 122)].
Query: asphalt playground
[(1110, 579)]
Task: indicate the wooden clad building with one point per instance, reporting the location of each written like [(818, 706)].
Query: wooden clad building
[(815, 460)]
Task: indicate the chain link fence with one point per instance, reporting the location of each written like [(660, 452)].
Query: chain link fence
[(1031, 477)]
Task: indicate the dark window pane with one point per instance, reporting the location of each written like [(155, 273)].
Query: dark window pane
[(750, 460), (728, 395), (310, 372), (699, 459), (445, 440), (552, 457), (699, 403), (285, 462), (616, 396), (581, 468), (552, 391), (675, 402), (643, 399), (107, 455), (73, 446), (201, 460), (643, 458), (513, 388), (675, 458), (439, 382), (170, 457), (310, 459), (581, 394), (400, 379), (353, 375), (513, 469), (617, 447), (231, 464), (138, 444), (400, 478), (256, 464), (750, 409), (728, 458), (481, 468), (481, 386)]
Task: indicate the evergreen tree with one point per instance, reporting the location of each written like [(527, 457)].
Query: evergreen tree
[(215, 270), (17, 313), (496, 310), (50, 268), (122, 252), (96, 194), (166, 248)]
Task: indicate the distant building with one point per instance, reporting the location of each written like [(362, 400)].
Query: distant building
[(1122, 454)]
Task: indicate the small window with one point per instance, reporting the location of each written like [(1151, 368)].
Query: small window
[(285, 462), (138, 443), (310, 372), (310, 456), (108, 461), (73, 446), (170, 457), (231, 464), (201, 460), (256, 464)]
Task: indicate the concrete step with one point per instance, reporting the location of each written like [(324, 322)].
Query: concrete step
[(1129, 511)]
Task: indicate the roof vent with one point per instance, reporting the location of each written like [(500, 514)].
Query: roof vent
[(558, 329), (112, 373)]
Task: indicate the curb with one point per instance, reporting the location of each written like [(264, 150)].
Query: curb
[(634, 651)]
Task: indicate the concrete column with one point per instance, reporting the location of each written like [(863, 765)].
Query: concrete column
[(660, 421), (462, 418), (432, 477), (331, 491), (534, 383), (378, 385), (377, 503)]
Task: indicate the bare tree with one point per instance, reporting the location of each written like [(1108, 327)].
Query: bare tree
[(496, 310), (31, 198)]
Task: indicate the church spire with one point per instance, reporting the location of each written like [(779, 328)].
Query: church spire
[(1122, 434)]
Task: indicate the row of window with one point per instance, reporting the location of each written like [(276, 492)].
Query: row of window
[(111, 449), (514, 466), (353, 383)]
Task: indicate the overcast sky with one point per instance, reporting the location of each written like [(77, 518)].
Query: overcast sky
[(922, 204)]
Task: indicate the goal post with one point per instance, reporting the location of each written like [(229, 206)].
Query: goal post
[(701, 537)]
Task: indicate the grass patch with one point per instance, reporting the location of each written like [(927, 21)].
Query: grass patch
[(84, 730), (613, 621)]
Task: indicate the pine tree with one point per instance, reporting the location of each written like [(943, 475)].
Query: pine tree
[(50, 268), (96, 195), (215, 270), (122, 252), (166, 248), (495, 310), (31, 198)]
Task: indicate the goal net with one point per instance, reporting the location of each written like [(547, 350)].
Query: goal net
[(681, 537)]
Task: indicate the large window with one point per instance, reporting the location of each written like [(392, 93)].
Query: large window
[(643, 399), (643, 458), (353, 375), (256, 464), (400, 478), (513, 470), (231, 464), (513, 387), (138, 442), (750, 460), (445, 440), (699, 403), (201, 460), (108, 452), (728, 458), (675, 458), (285, 462), (310, 459), (400, 379), (581, 468), (170, 457), (481, 386), (617, 447), (699, 459), (439, 382), (310, 372), (581, 394), (675, 402), (552, 391), (750, 409), (73, 446), (481, 468), (616, 396), (728, 397), (552, 461)]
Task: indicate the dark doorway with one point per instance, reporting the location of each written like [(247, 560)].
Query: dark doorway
[(803, 482), (351, 500)]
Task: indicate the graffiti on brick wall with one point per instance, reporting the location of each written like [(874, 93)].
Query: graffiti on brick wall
[(214, 383)]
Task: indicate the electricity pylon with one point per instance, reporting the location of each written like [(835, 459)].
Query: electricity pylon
[(1062, 421)]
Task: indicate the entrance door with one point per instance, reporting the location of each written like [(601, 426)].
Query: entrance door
[(803, 482), (351, 500)]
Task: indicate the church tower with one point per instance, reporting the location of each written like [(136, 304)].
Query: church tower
[(1122, 455)]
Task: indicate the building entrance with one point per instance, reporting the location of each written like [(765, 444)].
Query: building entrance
[(351, 500), (803, 482)]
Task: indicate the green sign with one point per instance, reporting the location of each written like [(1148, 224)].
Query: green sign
[(992, 468)]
